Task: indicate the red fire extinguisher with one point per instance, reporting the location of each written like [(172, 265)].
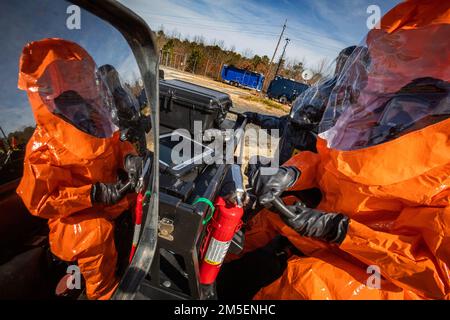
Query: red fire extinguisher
[(224, 224)]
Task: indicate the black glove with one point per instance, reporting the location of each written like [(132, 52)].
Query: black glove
[(251, 116), (328, 227), (133, 166), (107, 193), (267, 187)]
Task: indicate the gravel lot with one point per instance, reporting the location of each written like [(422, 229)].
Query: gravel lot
[(237, 94)]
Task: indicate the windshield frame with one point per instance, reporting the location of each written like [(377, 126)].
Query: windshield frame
[(143, 45)]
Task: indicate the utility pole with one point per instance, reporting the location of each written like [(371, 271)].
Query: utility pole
[(269, 68), (282, 56), (6, 138)]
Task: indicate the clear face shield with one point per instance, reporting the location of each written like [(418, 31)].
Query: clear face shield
[(131, 106), (75, 92), (127, 105), (308, 108)]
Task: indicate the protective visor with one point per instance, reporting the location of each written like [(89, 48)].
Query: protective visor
[(74, 91)]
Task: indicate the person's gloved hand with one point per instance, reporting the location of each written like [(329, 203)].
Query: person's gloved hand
[(107, 193), (251, 116), (328, 227), (267, 187), (133, 166)]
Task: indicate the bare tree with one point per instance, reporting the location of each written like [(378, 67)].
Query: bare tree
[(199, 40), (248, 53), (175, 34), (320, 68), (221, 44)]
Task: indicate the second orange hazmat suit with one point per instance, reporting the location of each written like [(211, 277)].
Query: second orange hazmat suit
[(396, 193), (62, 162)]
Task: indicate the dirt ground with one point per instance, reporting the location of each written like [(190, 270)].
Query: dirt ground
[(239, 97)]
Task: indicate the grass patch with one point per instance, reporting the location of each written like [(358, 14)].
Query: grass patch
[(267, 102)]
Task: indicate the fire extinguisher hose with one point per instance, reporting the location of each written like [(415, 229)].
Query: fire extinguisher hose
[(210, 204)]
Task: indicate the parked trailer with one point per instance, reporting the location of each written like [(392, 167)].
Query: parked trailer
[(285, 90), (243, 78)]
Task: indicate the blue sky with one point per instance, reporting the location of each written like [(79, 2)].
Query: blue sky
[(318, 28)]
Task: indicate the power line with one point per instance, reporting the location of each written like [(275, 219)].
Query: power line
[(312, 43), (314, 40), (243, 32), (213, 28), (215, 23), (220, 29), (304, 41), (240, 22), (313, 33)]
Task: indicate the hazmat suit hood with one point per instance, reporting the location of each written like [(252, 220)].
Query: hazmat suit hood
[(402, 94), (407, 47), (69, 100)]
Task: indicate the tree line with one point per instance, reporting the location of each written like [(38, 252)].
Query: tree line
[(199, 57)]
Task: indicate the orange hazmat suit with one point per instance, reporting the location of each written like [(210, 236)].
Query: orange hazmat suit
[(62, 162), (396, 193)]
